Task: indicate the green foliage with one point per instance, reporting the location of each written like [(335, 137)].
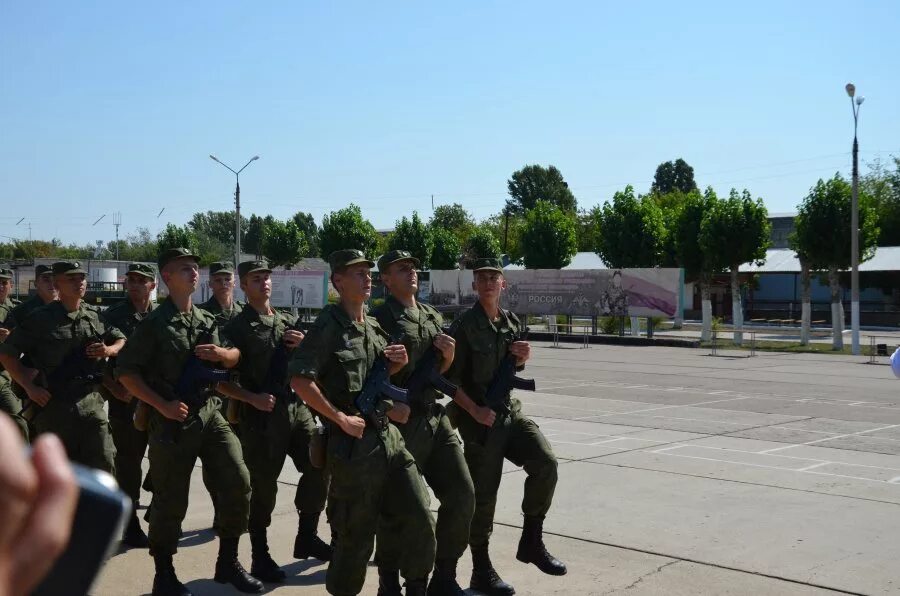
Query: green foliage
[(176, 237), (548, 240), (673, 176), (632, 232), (413, 236), (736, 230), (883, 186), (346, 228), (535, 183), (253, 241), (306, 223), (447, 249), (587, 229), (453, 218), (686, 234), (283, 243), (481, 244), (609, 325), (218, 225), (508, 230), (822, 228)]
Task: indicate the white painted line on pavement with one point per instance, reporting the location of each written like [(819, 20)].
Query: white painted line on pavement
[(862, 432)]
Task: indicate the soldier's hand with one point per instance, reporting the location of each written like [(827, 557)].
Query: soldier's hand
[(446, 345), (96, 350), (38, 395), (352, 425), (175, 410), (208, 352), (4, 333), (484, 415), (521, 350), (119, 392), (399, 413), (263, 402), (292, 338), (396, 353)]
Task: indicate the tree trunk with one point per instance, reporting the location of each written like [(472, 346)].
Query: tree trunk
[(635, 327), (737, 312), (806, 307), (837, 309), (706, 333)]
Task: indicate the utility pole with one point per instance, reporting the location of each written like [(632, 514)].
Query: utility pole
[(117, 221)]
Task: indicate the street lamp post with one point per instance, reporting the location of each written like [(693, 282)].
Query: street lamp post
[(854, 225), (237, 205)]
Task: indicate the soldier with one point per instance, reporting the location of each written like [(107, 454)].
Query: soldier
[(273, 423), (9, 401), (372, 473), (484, 335), (150, 367), (222, 304), (65, 342), (428, 435), (131, 443), (45, 293)]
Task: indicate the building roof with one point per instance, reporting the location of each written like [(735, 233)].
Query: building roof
[(784, 260)]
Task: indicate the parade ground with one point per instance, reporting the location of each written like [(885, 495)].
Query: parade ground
[(679, 473)]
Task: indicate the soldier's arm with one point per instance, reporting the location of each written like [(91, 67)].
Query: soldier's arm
[(21, 341), (135, 384), (261, 401), (20, 373), (135, 360), (483, 415)]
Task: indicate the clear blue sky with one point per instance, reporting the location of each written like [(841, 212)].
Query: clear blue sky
[(114, 106)]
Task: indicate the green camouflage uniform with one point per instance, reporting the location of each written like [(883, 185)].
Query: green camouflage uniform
[(481, 345), (430, 439), (157, 351), (75, 412), (9, 401), (371, 477), (131, 443), (268, 438)]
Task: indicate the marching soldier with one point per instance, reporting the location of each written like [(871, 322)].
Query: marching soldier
[(150, 367), (484, 335), (427, 433), (45, 293), (9, 402), (221, 304), (65, 342), (372, 473), (131, 443), (273, 423)]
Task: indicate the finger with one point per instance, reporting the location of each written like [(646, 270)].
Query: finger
[(18, 482), (49, 526)]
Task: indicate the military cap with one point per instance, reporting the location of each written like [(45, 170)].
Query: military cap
[(5, 273), (392, 256), (175, 253), (67, 268), (142, 269), (487, 265), (40, 270), (221, 267), (252, 267), (349, 256)]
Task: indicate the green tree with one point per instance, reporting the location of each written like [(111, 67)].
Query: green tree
[(736, 231), (283, 243), (883, 185), (414, 236), (453, 218), (174, 237), (822, 238), (253, 240), (548, 239), (447, 249), (346, 228), (587, 230), (632, 232), (217, 225), (673, 175), (481, 244), (306, 223), (507, 228), (535, 183), (698, 264)]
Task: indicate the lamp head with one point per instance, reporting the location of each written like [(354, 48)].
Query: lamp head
[(851, 89), (255, 157), (214, 158), (859, 100)]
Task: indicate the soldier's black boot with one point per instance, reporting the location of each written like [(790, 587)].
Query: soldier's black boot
[(308, 544), (230, 571), (443, 581), (389, 582), (165, 582), (532, 549), (134, 535), (262, 567), (485, 578), (416, 587)]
